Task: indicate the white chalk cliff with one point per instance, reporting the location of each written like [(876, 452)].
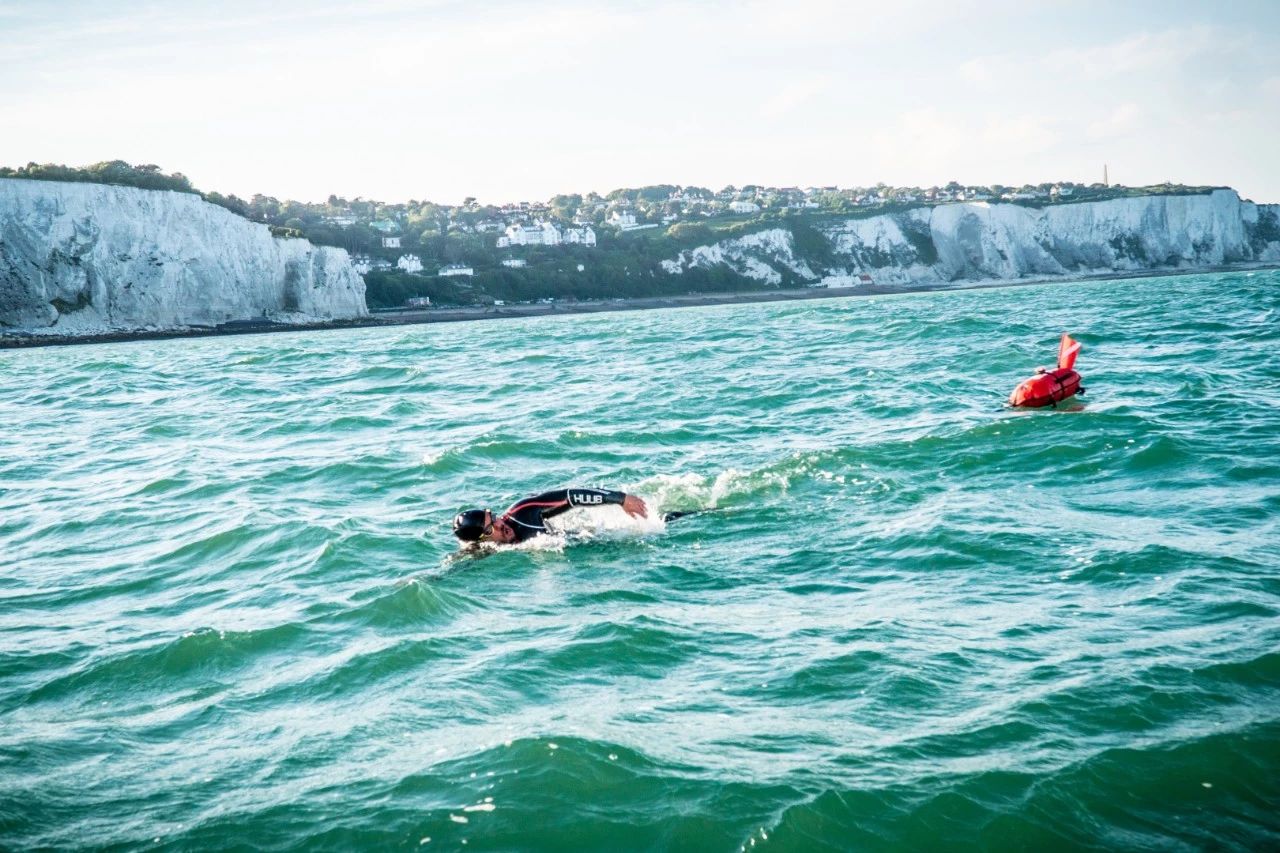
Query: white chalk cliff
[(983, 241), (80, 259)]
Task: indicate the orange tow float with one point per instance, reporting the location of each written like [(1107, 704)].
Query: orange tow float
[(1050, 387)]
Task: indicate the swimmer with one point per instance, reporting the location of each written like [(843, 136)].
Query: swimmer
[(526, 519)]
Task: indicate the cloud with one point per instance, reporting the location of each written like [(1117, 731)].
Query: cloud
[(1120, 121), (247, 98), (982, 69), (1142, 52), (793, 96), (1020, 135), (935, 136)]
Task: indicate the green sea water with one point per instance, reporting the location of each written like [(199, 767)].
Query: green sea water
[(232, 615)]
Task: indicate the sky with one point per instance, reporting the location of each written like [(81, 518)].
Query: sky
[(506, 101)]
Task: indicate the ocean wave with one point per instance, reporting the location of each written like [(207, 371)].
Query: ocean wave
[(156, 666)]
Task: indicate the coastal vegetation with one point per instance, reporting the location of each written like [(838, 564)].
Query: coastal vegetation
[(116, 172), (122, 174), (611, 274)]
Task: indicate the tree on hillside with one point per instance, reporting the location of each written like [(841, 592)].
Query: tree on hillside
[(691, 232), (657, 192), (565, 206), (230, 202)]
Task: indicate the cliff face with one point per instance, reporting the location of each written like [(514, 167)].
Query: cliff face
[(90, 258), (982, 241)]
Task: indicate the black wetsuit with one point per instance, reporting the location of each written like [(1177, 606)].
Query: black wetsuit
[(527, 517)]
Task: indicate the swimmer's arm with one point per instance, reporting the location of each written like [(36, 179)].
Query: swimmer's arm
[(562, 500), (630, 504), (551, 503)]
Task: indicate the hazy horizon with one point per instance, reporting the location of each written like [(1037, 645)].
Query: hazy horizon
[(509, 101)]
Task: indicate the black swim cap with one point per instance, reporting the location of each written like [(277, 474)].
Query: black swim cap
[(469, 525)]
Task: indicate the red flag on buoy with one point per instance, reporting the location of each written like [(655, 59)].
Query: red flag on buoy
[(1068, 349)]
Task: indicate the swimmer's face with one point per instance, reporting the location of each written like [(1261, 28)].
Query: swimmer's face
[(498, 530)]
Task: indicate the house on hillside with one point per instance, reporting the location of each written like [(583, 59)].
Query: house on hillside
[(409, 263), (391, 242), (537, 234), (585, 236), (456, 269), (744, 207), (622, 219)]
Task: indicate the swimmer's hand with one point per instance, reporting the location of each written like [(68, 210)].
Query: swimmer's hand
[(634, 507)]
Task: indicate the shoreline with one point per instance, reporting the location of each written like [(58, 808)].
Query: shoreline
[(391, 319)]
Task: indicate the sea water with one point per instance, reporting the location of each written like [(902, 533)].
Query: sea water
[(232, 614)]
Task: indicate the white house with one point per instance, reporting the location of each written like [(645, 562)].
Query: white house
[(550, 234), (585, 236), (409, 263), (386, 226), (622, 219), (362, 263), (1060, 191), (456, 269), (744, 206), (537, 234), (418, 302), (515, 263), (391, 242)]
